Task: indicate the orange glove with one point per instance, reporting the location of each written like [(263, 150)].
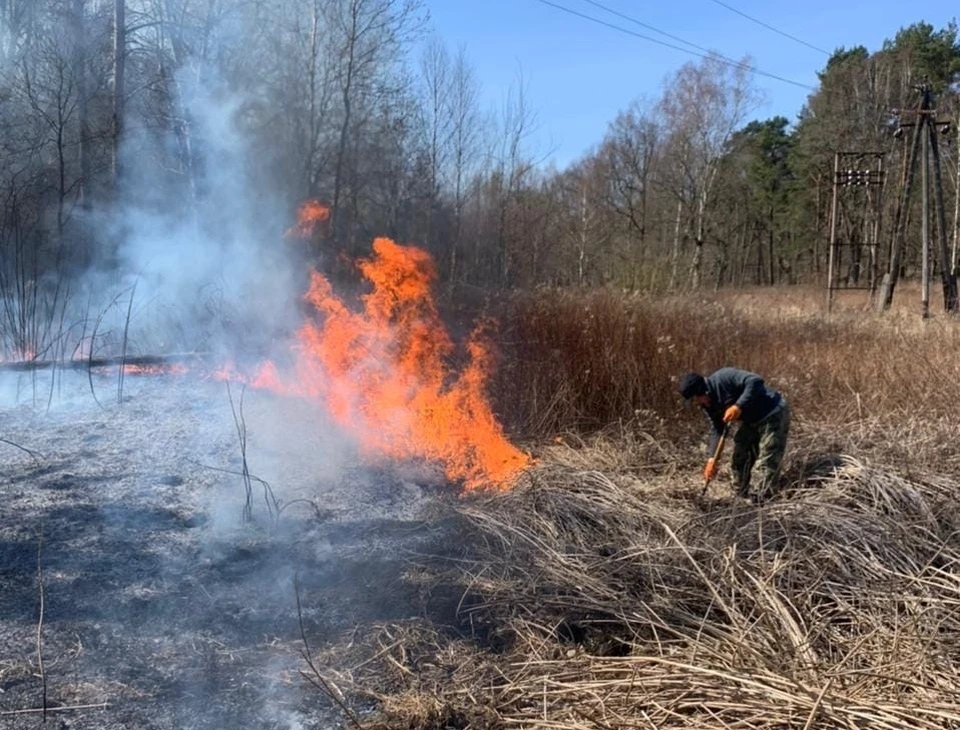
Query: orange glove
[(731, 414), (710, 471)]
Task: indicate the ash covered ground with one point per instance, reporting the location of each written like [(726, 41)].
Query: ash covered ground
[(158, 598)]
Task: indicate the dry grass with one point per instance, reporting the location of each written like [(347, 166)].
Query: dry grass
[(618, 600), (603, 592), (582, 361)]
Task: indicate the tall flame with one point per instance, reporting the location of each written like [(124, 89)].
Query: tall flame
[(384, 373)]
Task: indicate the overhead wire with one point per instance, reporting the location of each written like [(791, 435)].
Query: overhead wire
[(771, 27), (700, 52), (664, 33)]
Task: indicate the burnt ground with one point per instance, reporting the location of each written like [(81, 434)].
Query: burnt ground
[(158, 598)]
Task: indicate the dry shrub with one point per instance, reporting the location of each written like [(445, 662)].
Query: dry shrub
[(617, 601), (585, 360)]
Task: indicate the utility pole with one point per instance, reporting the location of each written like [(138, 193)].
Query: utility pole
[(854, 221), (925, 228), (923, 142), (956, 208), (948, 275)]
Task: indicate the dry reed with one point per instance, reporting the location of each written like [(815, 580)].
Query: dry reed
[(603, 593), (582, 361), (619, 602)]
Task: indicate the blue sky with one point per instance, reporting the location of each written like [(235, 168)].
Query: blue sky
[(579, 74)]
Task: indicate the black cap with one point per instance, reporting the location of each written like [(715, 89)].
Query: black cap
[(692, 384)]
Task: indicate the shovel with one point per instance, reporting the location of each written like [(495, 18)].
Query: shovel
[(716, 455)]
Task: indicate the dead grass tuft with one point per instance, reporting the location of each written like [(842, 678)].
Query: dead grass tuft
[(616, 600)]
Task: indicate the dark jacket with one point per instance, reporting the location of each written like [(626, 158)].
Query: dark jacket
[(731, 386)]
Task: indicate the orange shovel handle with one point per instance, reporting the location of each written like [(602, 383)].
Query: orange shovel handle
[(716, 455)]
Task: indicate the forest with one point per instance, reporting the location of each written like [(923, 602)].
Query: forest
[(106, 107)]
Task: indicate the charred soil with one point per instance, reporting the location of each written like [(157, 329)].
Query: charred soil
[(132, 588)]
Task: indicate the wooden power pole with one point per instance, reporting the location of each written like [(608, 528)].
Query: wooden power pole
[(924, 145), (858, 179)]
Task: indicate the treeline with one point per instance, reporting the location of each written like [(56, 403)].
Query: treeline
[(108, 105)]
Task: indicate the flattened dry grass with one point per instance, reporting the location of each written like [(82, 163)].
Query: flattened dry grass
[(617, 600)]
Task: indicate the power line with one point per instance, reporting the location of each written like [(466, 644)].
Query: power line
[(647, 26), (770, 27), (706, 54)]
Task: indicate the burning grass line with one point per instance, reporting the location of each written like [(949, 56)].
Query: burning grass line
[(102, 362)]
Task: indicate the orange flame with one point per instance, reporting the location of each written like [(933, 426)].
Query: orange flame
[(310, 214), (384, 373)]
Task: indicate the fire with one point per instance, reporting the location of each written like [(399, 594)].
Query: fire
[(310, 215), (384, 373)]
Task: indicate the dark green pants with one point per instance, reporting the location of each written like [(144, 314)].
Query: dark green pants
[(760, 447)]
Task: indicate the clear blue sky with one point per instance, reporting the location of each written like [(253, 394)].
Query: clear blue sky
[(579, 74)]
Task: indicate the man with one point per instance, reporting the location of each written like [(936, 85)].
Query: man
[(731, 395)]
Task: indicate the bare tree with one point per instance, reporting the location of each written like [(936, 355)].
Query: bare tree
[(629, 152), (119, 89), (513, 166), (465, 142), (435, 74), (370, 36), (704, 104)]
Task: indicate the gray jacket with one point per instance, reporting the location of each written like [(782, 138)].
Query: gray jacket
[(732, 386)]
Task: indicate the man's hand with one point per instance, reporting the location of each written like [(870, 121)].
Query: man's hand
[(710, 471), (732, 414)]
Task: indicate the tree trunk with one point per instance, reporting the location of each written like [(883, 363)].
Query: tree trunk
[(771, 257), (758, 275), (119, 68), (675, 257), (310, 167), (582, 243), (696, 264), (83, 110), (346, 95)]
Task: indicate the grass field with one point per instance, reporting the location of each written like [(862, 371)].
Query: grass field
[(604, 592)]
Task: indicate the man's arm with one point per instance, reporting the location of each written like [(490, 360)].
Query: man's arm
[(716, 430)]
